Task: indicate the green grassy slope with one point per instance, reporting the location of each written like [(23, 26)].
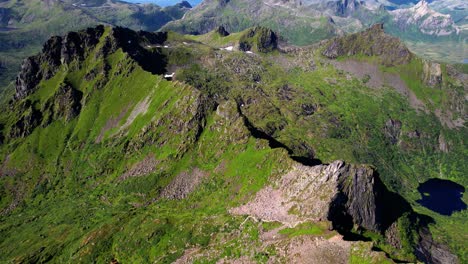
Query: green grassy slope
[(96, 186)]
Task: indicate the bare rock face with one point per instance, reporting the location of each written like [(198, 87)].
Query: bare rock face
[(222, 31), (351, 197), (430, 251), (28, 77), (304, 193), (347, 7), (392, 130), (364, 201), (372, 42), (183, 184), (347, 195), (432, 74), (443, 145), (30, 119), (67, 102)]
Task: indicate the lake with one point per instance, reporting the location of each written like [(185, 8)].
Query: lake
[(442, 196)]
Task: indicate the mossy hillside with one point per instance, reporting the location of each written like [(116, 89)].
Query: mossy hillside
[(348, 119), (312, 112), (360, 112), (72, 181)]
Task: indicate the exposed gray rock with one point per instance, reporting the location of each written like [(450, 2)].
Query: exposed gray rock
[(351, 197), (183, 184), (364, 201), (428, 21), (30, 119), (429, 251), (432, 74), (443, 145), (392, 130), (28, 77), (67, 102)]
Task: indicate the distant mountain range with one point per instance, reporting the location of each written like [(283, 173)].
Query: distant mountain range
[(433, 29), (164, 2), (302, 22)]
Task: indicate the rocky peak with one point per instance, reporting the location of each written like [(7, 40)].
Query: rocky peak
[(222, 31), (361, 199), (371, 42), (258, 39), (55, 52), (347, 7), (432, 74), (352, 197), (184, 4), (75, 46)]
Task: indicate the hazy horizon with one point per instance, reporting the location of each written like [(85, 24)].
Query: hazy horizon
[(164, 2)]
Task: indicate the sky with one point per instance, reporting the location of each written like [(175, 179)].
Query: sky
[(164, 2)]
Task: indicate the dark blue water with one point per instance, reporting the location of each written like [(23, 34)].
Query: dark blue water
[(442, 196)]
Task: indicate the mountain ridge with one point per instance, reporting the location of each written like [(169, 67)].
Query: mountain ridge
[(25, 26), (118, 158), (306, 22)]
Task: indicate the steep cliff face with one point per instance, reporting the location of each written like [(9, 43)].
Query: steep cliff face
[(432, 74), (354, 199), (364, 199)]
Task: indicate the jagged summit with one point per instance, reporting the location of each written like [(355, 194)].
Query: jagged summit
[(105, 160), (184, 4), (76, 46), (258, 39), (371, 42)]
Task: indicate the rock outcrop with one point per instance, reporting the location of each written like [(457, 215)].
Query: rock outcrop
[(352, 198), (347, 7), (222, 31), (345, 194), (430, 251), (432, 74), (66, 102), (56, 51), (258, 39), (75, 46), (392, 130), (371, 42)]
